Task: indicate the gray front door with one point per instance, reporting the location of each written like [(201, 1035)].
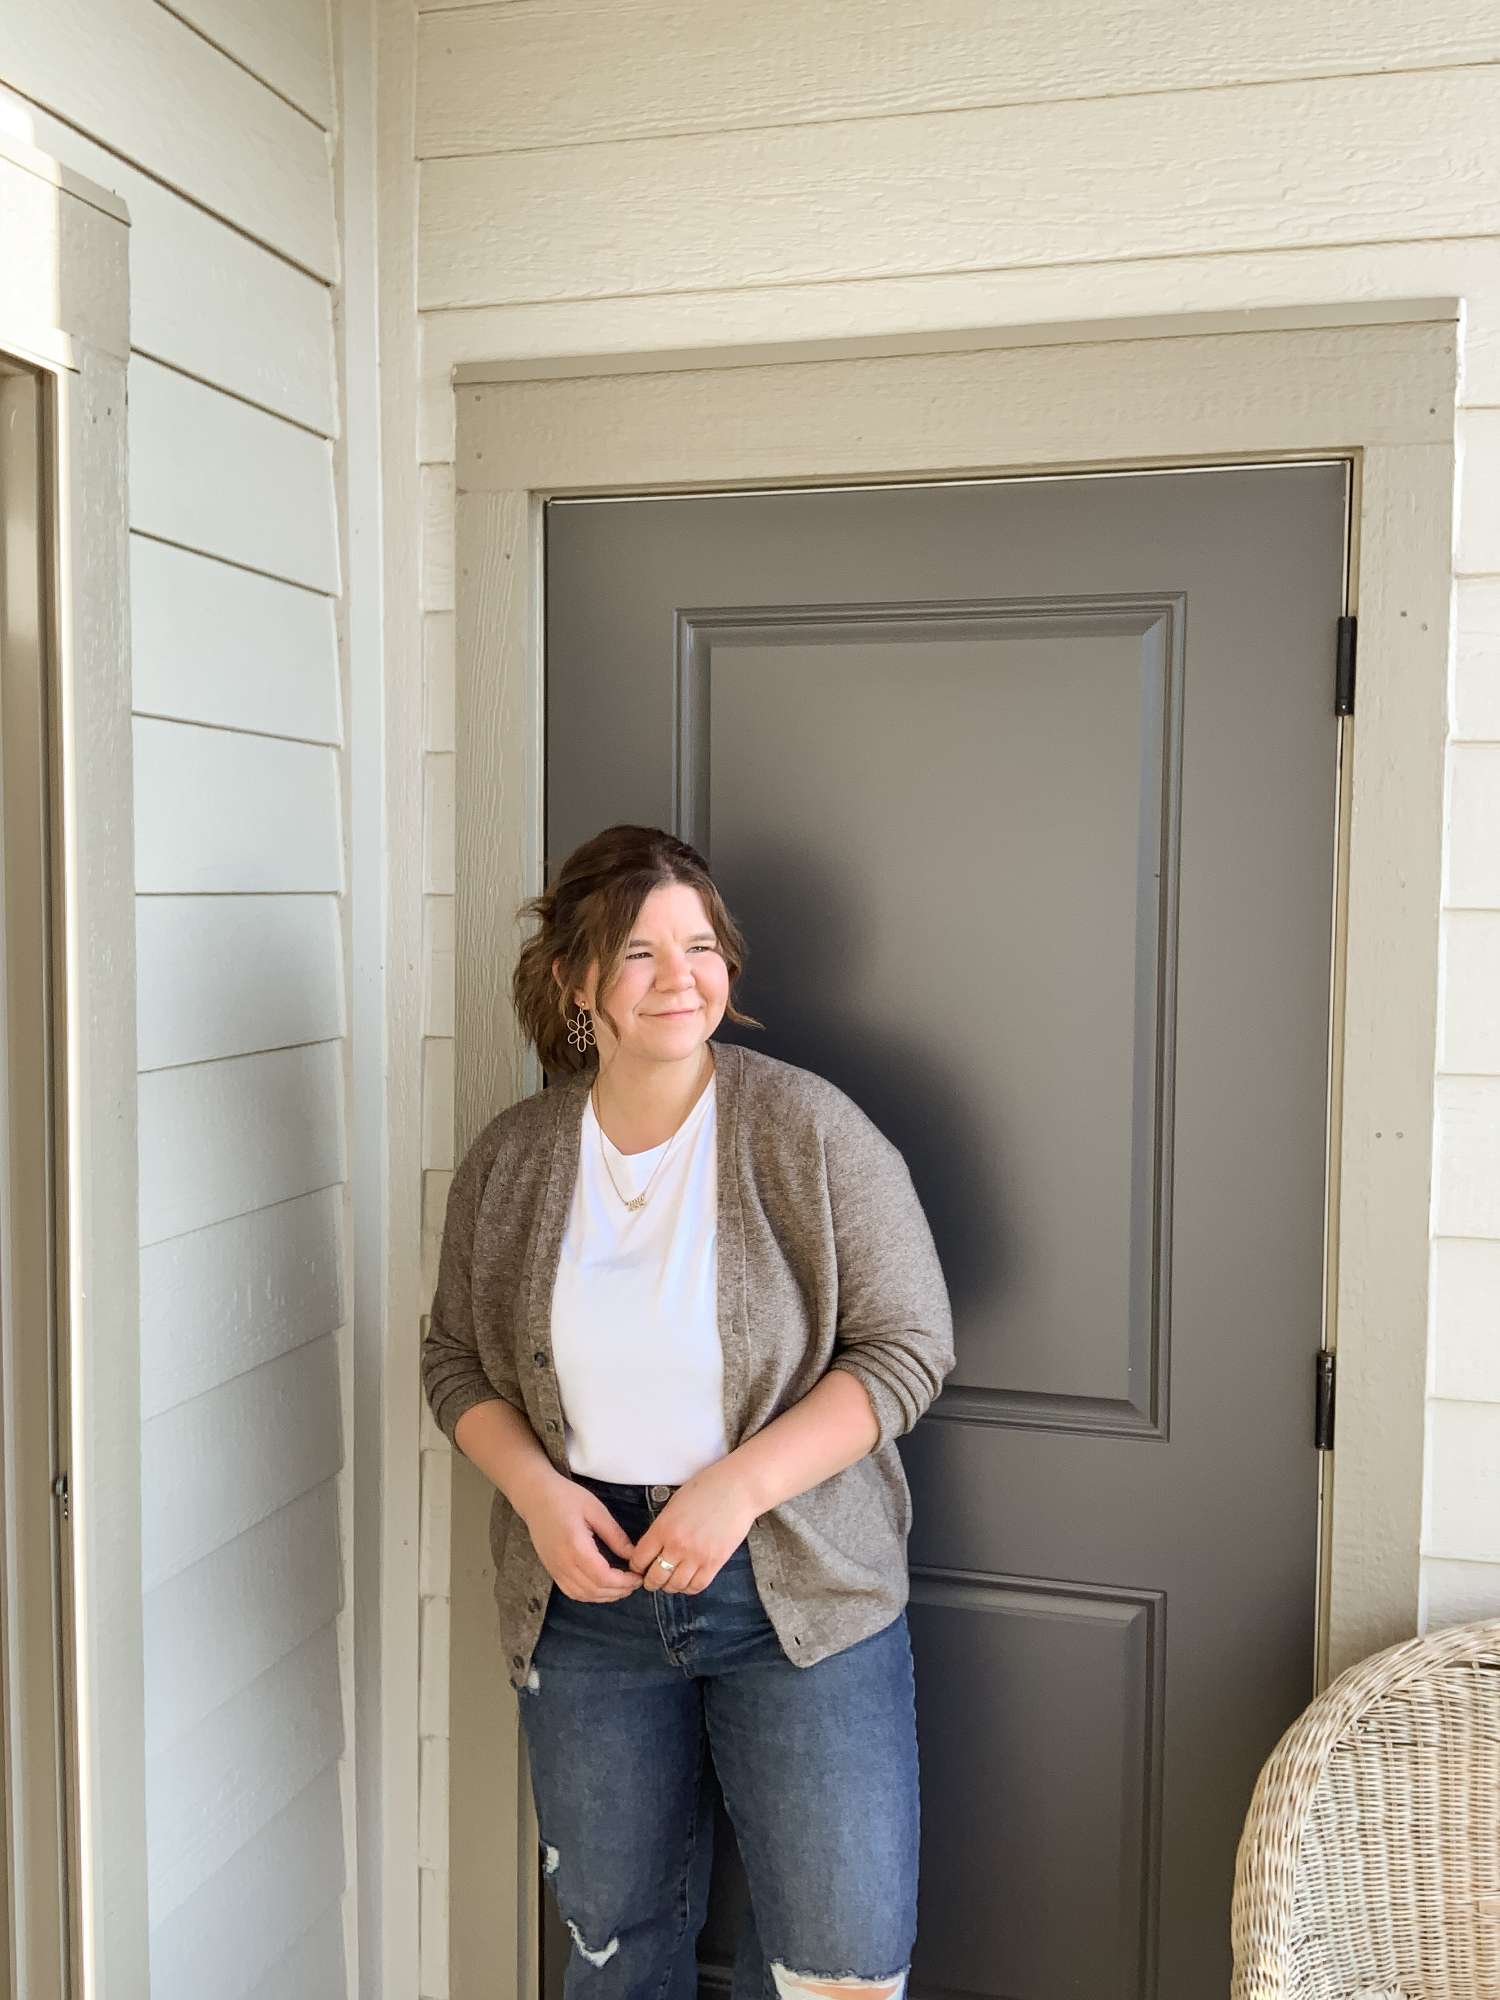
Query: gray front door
[(1024, 794)]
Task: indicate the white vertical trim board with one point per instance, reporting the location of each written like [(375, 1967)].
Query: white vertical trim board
[(79, 315), (392, 1439)]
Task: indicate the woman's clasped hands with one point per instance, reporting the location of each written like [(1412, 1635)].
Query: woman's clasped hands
[(697, 1530)]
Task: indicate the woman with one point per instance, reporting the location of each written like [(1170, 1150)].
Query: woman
[(687, 1300)]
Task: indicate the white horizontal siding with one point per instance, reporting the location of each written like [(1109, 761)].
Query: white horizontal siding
[(1478, 507), (229, 1297), (1037, 303), (209, 119), (133, 77), (229, 975), (312, 1969), (214, 1627), (220, 1139), (1023, 184), (439, 849), (437, 538), (241, 1924), (439, 689), (1473, 856), (224, 813), (432, 1828), (217, 475), (439, 957), (542, 73), (283, 42), (213, 643), (1476, 684), (1471, 1030), (249, 322), (1466, 1321), (1468, 1194), (215, 1466), (434, 1958), (223, 1782), (1453, 1593), (437, 1102), (1463, 1510)]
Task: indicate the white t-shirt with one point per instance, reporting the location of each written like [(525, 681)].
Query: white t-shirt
[(635, 1331)]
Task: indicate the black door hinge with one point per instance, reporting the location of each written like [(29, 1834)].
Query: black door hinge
[(1343, 680), (60, 1492), (1323, 1408)]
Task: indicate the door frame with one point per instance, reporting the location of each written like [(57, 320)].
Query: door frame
[(64, 315), (1374, 384)]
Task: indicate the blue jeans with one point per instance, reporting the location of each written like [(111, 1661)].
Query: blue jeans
[(817, 1765)]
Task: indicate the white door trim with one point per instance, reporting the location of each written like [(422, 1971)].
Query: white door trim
[(64, 310), (1379, 389)]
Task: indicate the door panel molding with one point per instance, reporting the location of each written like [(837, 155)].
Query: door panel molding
[(1114, 1639), (1138, 1405), (1382, 396)]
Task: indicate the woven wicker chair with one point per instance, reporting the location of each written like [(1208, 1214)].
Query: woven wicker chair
[(1369, 1864)]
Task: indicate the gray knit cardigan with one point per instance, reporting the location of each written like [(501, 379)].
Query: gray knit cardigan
[(825, 1260)]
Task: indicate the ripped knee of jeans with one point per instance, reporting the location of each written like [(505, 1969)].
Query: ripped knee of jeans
[(595, 1954)]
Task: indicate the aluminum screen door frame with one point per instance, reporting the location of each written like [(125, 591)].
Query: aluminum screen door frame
[(1382, 395)]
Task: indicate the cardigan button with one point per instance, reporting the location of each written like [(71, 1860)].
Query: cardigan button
[(540, 1358), (550, 1425), (536, 1604), (516, 1658)]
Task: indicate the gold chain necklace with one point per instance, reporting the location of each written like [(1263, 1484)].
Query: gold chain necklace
[(638, 1201)]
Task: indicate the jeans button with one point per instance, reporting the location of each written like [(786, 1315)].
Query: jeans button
[(661, 1492)]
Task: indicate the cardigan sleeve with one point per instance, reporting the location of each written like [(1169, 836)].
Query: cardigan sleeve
[(454, 1378), (894, 1326)]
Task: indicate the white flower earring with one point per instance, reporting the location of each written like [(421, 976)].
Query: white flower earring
[(581, 1032)]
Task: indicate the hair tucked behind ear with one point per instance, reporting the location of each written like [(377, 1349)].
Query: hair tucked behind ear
[(587, 914)]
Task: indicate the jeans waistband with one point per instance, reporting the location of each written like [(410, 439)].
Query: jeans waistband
[(619, 1489)]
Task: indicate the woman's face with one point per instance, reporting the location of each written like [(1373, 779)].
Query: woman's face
[(673, 984)]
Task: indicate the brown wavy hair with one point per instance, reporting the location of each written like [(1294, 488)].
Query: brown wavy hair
[(587, 914)]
